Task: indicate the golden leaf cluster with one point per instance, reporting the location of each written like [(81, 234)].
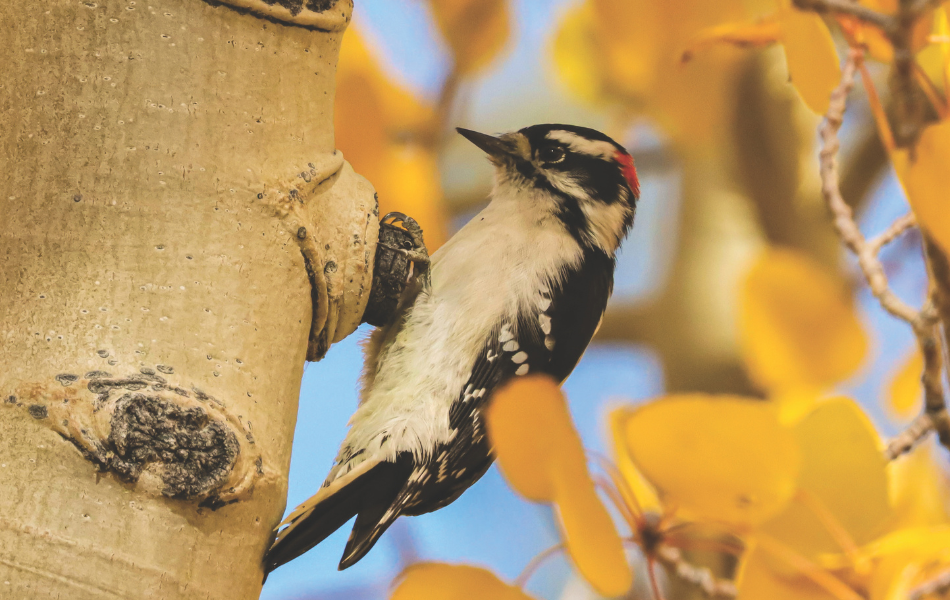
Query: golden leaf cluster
[(795, 486)]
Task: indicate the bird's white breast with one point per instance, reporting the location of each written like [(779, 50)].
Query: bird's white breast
[(492, 268)]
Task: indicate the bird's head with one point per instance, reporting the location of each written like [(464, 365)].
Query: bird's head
[(586, 179)]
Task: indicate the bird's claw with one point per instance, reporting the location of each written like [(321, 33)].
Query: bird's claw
[(419, 255), (416, 256)]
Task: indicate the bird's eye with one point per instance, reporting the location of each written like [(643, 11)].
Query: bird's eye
[(551, 154)]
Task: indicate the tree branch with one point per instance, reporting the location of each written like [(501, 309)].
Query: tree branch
[(923, 322), (847, 7)]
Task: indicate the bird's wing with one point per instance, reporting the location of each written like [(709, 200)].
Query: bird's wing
[(548, 337)]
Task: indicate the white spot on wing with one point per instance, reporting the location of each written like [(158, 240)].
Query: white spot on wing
[(520, 357), (522, 370), (549, 342), (505, 334), (510, 346), (545, 322)]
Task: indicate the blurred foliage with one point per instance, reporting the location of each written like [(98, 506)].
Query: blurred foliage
[(439, 581), (475, 30), (626, 55), (542, 458), (797, 324), (385, 132), (779, 488), (905, 394), (926, 178)]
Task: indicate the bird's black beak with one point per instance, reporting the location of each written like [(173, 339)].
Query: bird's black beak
[(493, 146)]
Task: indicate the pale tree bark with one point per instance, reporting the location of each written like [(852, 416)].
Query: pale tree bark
[(177, 235)]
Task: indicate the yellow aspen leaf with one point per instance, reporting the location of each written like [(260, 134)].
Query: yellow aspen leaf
[(795, 403), (541, 456), (922, 541), (906, 391), (757, 580), (813, 64), (475, 30), (718, 458), (797, 324), (645, 495), (933, 61), (919, 490), (630, 44), (926, 180), (758, 34), (576, 56), (878, 45), (942, 28), (902, 560), (894, 578), (440, 581), (843, 485), (599, 60)]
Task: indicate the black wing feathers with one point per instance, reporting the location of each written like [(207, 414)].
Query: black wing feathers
[(576, 312)]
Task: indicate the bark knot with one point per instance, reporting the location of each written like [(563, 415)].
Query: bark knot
[(149, 432), (195, 453)]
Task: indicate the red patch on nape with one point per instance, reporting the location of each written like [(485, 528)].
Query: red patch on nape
[(629, 171)]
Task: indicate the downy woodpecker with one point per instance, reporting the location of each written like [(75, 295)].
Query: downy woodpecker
[(520, 289)]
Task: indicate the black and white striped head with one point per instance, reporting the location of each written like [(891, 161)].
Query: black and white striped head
[(590, 177)]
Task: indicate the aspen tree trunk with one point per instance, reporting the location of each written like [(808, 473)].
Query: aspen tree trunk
[(177, 234)]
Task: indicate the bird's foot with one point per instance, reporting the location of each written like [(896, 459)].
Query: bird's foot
[(418, 254)]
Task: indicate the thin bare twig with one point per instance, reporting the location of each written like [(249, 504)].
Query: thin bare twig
[(907, 439), (893, 232), (844, 222), (847, 7), (924, 321), (919, 7), (939, 271), (937, 586), (536, 562), (697, 575)]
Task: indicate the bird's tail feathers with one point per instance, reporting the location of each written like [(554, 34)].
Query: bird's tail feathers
[(368, 489), (377, 513)]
